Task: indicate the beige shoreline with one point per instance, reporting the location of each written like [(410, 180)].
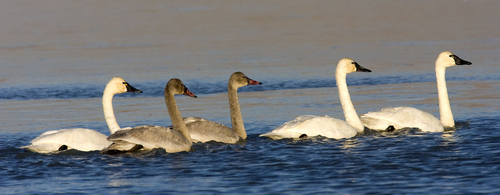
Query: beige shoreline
[(151, 40)]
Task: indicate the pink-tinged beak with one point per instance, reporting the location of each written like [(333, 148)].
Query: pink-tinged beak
[(189, 93), (254, 82)]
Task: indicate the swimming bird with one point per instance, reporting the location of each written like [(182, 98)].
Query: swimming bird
[(311, 125), (202, 130), (80, 138), (402, 117), (173, 139)]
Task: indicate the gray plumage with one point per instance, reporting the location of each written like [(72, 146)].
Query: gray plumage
[(202, 130), (150, 137)]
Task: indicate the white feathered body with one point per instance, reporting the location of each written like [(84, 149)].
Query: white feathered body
[(311, 126), (401, 117), (78, 139)]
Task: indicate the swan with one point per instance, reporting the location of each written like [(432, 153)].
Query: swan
[(310, 125), (401, 117), (80, 138), (173, 139), (202, 130)]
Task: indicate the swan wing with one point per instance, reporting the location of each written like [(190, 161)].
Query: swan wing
[(311, 126), (50, 132), (78, 139), (202, 130), (401, 117), (125, 128), (150, 137)]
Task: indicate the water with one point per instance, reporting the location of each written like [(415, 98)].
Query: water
[(58, 56)]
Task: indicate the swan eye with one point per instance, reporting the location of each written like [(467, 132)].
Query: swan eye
[(125, 83), (352, 63), (451, 55)]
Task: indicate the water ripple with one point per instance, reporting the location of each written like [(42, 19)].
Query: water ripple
[(155, 88)]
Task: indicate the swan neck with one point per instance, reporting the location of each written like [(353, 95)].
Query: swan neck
[(350, 114), (235, 111), (444, 102), (175, 115), (107, 106)]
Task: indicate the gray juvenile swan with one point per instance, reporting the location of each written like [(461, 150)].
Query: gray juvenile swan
[(80, 138), (401, 117), (311, 125), (173, 139), (202, 130)]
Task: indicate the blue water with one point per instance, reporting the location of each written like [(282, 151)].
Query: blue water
[(461, 161), (155, 88), (464, 161)]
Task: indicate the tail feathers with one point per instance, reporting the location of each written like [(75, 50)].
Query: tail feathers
[(376, 124), (45, 147)]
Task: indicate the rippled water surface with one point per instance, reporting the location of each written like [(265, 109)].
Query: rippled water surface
[(57, 57)]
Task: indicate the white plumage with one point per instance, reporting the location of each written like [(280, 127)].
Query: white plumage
[(401, 117), (79, 138), (310, 125)]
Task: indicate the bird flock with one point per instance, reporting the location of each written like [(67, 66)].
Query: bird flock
[(188, 130)]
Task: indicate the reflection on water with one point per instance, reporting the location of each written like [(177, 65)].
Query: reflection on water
[(348, 144), (118, 178), (448, 138)]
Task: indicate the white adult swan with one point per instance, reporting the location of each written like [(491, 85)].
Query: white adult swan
[(309, 125), (173, 139), (79, 138), (202, 130), (401, 117)]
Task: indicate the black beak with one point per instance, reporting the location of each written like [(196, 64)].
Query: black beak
[(459, 61), (360, 68), (132, 89)]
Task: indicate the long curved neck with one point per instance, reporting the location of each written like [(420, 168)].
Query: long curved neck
[(444, 102), (175, 115), (107, 107), (350, 114), (235, 111)]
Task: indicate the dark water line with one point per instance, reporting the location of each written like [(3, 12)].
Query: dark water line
[(155, 88)]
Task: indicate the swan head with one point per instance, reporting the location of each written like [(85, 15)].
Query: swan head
[(176, 87), (119, 85), (238, 79), (447, 59), (347, 65)]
